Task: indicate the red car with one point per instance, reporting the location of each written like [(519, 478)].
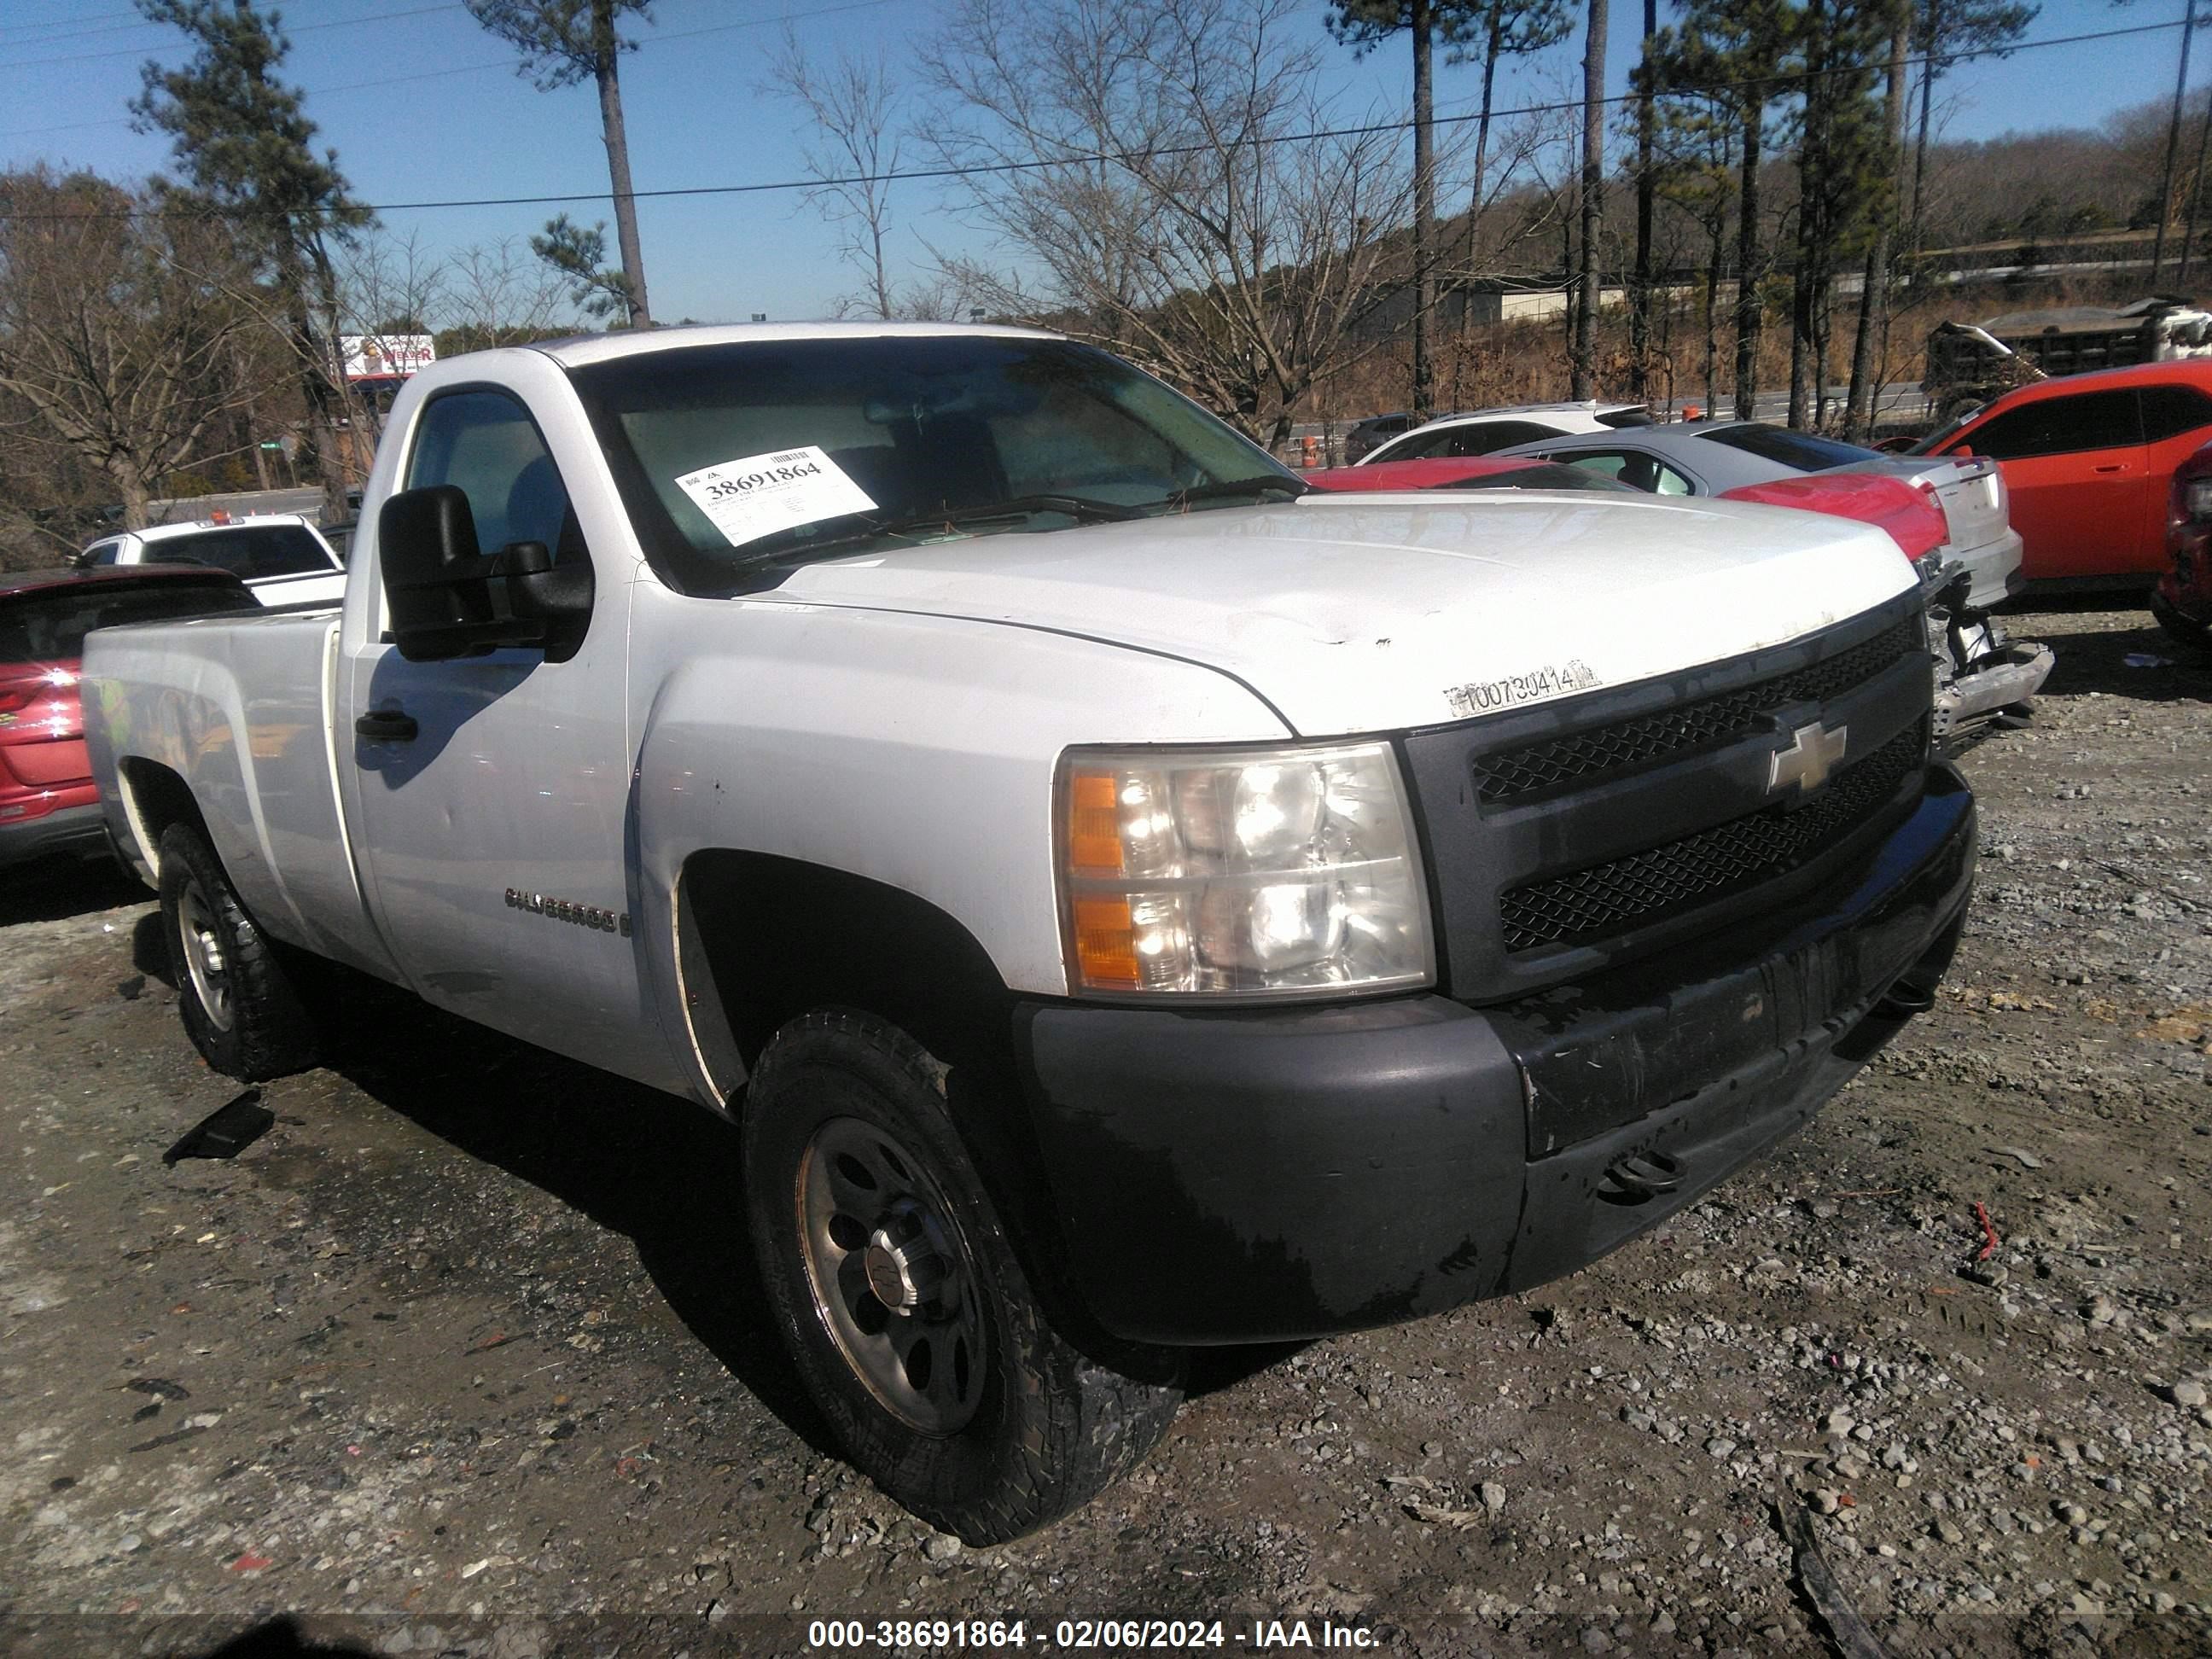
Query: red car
[(2182, 601), (47, 799), (2089, 460), (1912, 516), (1459, 472)]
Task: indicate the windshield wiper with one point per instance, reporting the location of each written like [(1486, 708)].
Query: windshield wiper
[(794, 547), (1080, 507), (1289, 489)]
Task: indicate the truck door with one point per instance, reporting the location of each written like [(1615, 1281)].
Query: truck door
[(491, 792)]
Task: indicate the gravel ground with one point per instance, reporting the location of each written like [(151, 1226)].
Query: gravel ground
[(464, 1355)]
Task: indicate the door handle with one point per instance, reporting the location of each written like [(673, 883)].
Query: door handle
[(386, 726), (2116, 466)]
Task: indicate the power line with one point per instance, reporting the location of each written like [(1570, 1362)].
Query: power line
[(289, 29), (1078, 158)]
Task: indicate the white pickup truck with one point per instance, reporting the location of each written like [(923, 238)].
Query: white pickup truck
[(284, 558), (1128, 904)]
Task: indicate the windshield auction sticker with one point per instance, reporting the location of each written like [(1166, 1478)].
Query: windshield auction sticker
[(759, 495)]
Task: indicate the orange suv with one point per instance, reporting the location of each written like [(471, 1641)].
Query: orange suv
[(2089, 460)]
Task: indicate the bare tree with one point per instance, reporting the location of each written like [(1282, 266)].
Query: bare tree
[(851, 102), (564, 42), (494, 295), (1146, 192), (113, 344)]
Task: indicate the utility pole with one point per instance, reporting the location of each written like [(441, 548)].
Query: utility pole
[(1584, 361), (1639, 300)]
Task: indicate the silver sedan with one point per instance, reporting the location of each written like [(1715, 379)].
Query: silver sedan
[(1705, 457)]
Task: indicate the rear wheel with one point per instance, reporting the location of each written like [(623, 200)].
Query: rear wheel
[(906, 1310), (241, 1005)]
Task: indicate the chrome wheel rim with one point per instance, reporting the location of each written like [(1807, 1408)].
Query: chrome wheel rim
[(203, 957), (889, 1275)]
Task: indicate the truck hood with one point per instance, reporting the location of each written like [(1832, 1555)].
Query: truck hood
[(1373, 613)]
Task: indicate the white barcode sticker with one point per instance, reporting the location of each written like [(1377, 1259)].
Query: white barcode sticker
[(757, 496)]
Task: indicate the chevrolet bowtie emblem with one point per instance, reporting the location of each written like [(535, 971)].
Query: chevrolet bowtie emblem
[(1813, 751)]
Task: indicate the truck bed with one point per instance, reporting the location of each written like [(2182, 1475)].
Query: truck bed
[(240, 709)]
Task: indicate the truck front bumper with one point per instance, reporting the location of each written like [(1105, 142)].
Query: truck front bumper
[(1243, 1175)]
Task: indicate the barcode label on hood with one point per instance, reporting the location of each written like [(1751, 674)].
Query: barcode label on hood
[(1483, 696)]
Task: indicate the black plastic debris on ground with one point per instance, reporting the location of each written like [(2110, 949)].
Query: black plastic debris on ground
[(227, 1131)]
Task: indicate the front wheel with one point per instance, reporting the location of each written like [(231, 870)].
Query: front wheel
[(2185, 630), (241, 1006), (905, 1308)]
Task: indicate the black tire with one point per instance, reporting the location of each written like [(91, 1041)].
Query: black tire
[(2182, 629), (241, 1005), (1010, 1426)]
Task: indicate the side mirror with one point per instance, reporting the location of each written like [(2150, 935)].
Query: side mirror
[(445, 599)]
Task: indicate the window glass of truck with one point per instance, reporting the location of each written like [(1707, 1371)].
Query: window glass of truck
[(486, 444), (247, 550), (940, 437)]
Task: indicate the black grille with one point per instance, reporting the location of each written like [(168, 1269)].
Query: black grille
[(1536, 766), (1644, 886)]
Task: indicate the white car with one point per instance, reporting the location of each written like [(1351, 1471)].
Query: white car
[(281, 557), (1485, 431)]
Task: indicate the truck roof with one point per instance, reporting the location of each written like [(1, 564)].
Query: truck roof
[(579, 350)]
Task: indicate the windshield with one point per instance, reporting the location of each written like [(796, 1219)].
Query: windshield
[(748, 457), (1943, 433), (249, 550), (1800, 450)]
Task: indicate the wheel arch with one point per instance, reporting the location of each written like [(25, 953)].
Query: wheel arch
[(155, 797), (762, 938)]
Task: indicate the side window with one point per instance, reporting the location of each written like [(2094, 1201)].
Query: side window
[(2170, 410), (106, 552), (486, 444), (1638, 471), (1421, 447), (1488, 437), (2059, 426)]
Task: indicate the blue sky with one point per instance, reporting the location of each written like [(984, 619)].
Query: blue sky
[(423, 104)]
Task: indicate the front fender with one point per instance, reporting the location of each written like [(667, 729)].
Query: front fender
[(916, 751)]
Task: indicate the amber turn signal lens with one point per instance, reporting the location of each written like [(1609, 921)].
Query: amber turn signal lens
[(1094, 826), (1106, 943)]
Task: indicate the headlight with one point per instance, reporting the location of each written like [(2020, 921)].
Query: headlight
[(2198, 499), (1234, 870)]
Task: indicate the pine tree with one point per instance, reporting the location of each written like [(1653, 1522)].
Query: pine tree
[(564, 42), (1744, 46), (1363, 25), (1943, 30), (245, 147)]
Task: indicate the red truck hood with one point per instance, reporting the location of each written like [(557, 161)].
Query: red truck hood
[(1911, 516)]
